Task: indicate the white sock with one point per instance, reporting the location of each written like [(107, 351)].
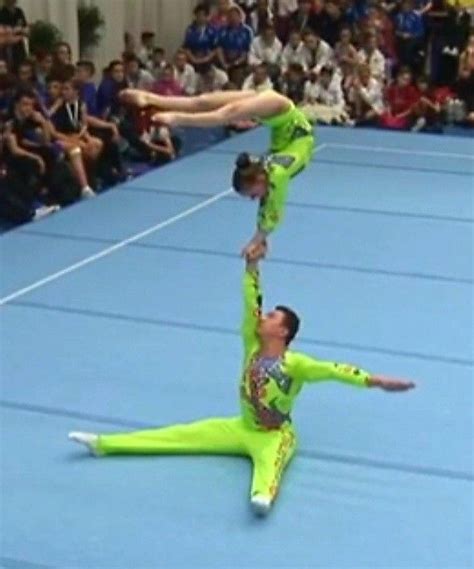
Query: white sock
[(89, 440), (260, 504), (87, 192)]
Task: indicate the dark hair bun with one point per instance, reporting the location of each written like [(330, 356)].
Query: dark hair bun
[(243, 160)]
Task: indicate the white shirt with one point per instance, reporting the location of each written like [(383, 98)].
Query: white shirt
[(218, 82), (316, 60), (372, 94), (249, 85), (376, 62), (186, 78), (316, 92), (261, 52), (287, 7), (292, 55)]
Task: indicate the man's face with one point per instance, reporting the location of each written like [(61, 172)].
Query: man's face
[(68, 92), (201, 18), (25, 73), (82, 74), (46, 64), (260, 75), (325, 79), (295, 39), (234, 17), (118, 73), (25, 107), (133, 68), (404, 79), (272, 325), (181, 61), (54, 90), (311, 41)]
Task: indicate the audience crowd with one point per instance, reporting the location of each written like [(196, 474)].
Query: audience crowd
[(65, 134)]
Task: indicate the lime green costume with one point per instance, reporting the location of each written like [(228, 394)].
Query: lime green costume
[(264, 430), (291, 149)]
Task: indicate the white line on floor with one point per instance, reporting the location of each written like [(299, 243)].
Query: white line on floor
[(389, 150)]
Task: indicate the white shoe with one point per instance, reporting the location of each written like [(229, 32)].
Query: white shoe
[(44, 211), (87, 193), (89, 440), (260, 504), (419, 125)]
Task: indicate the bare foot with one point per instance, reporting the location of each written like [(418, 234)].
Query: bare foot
[(165, 119)]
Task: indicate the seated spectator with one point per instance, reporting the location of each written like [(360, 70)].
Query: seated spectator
[(324, 100), (366, 97), (43, 69), (53, 98), (344, 50), (409, 30), (200, 41), (303, 18), (8, 85), (293, 52), (184, 73), (293, 83), (26, 75), (145, 53), (12, 18), (159, 62), (379, 21), (317, 52), (372, 56), (426, 112), (211, 79), (161, 145), (85, 71), (30, 155), (466, 59), (3, 67), (62, 56), (168, 85), (234, 46), (70, 129), (400, 97), (259, 80), (266, 48), (136, 77)]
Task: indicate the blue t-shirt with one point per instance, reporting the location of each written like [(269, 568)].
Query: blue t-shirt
[(88, 95), (410, 23), (235, 41), (200, 41)]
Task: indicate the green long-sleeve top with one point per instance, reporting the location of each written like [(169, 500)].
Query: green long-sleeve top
[(292, 146), (269, 386)]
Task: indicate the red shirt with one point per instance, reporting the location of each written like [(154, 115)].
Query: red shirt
[(401, 99)]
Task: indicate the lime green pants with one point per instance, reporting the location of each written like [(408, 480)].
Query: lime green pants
[(270, 451)]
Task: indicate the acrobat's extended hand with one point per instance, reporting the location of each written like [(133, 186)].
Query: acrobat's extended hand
[(135, 97), (390, 384), (166, 119), (257, 253)]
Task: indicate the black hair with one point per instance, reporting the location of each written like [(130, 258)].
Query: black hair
[(24, 94), (291, 322), (201, 8), (86, 64), (246, 167)]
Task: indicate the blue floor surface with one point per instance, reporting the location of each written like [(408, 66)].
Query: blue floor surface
[(376, 253)]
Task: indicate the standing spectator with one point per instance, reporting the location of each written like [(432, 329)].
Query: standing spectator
[(344, 51), (259, 80), (357, 12), (379, 21), (293, 83), (318, 53), (184, 73), (137, 77), (330, 21), (145, 53), (234, 45), (211, 79), (283, 11), (159, 62), (400, 97), (220, 15), (303, 19), (372, 56), (168, 85), (266, 48), (13, 18), (366, 97), (200, 41), (293, 52), (259, 15), (409, 29)]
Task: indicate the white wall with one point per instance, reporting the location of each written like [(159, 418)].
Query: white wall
[(167, 18)]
